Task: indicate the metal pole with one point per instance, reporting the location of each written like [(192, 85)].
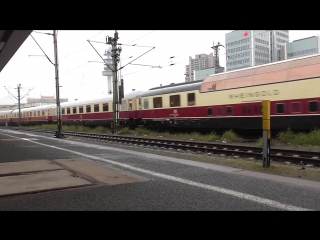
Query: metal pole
[(266, 133), (115, 83), (59, 124), (19, 85)]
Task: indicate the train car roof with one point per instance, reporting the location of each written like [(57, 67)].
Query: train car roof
[(133, 94), (263, 74), (89, 101), (173, 88), (6, 111), (108, 98), (37, 108), (175, 84)]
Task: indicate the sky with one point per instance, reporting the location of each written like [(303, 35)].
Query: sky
[(80, 64)]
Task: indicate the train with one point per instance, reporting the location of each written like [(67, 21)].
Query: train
[(223, 101)]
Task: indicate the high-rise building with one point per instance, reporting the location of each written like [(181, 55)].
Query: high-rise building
[(200, 62), (300, 48), (246, 48), (278, 40)]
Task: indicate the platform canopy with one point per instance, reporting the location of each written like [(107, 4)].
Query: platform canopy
[(10, 42)]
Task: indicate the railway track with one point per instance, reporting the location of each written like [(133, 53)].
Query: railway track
[(201, 148)]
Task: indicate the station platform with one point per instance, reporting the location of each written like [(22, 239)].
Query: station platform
[(43, 175)]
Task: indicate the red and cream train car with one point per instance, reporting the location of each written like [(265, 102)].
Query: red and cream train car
[(229, 100), (232, 100)]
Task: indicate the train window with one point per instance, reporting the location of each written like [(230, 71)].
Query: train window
[(62, 111), (124, 105), (80, 109), (191, 99), (34, 114), (157, 102), (229, 111), (38, 113), (280, 108), (42, 113), (74, 110), (175, 101), (68, 110), (209, 111), (219, 111), (105, 107), (313, 106), (244, 110), (88, 108), (296, 107), (130, 104), (145, 104), (96, 108)]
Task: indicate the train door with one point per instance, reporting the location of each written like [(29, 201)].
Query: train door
[(131, 109), (139, 109)]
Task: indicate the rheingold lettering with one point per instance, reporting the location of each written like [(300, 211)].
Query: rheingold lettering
[(255, 94)]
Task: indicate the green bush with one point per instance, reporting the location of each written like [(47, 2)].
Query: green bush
[(286, 136), (142, 131), (213, 137), (101, 129), (312, 138), (230, 136), (259, 142), (125, 130)]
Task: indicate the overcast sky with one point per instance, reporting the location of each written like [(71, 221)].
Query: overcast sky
[(81, 79)]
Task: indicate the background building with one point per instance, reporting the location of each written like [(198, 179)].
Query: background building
[(247, 48), (33, 102), (300, 48), (278, 40), (200, 62), (204, 73), (45, 100)]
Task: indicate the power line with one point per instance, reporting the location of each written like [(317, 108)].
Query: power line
[(86, 41), (141, 37), (137, 71), (137, 58), (42, 50), (134, 45), (146, 65), (100, 56), (42, 33)]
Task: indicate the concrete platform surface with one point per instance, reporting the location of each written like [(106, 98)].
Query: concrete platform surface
[(10, 168), (40, 181), (100, 173), (43, 175)]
